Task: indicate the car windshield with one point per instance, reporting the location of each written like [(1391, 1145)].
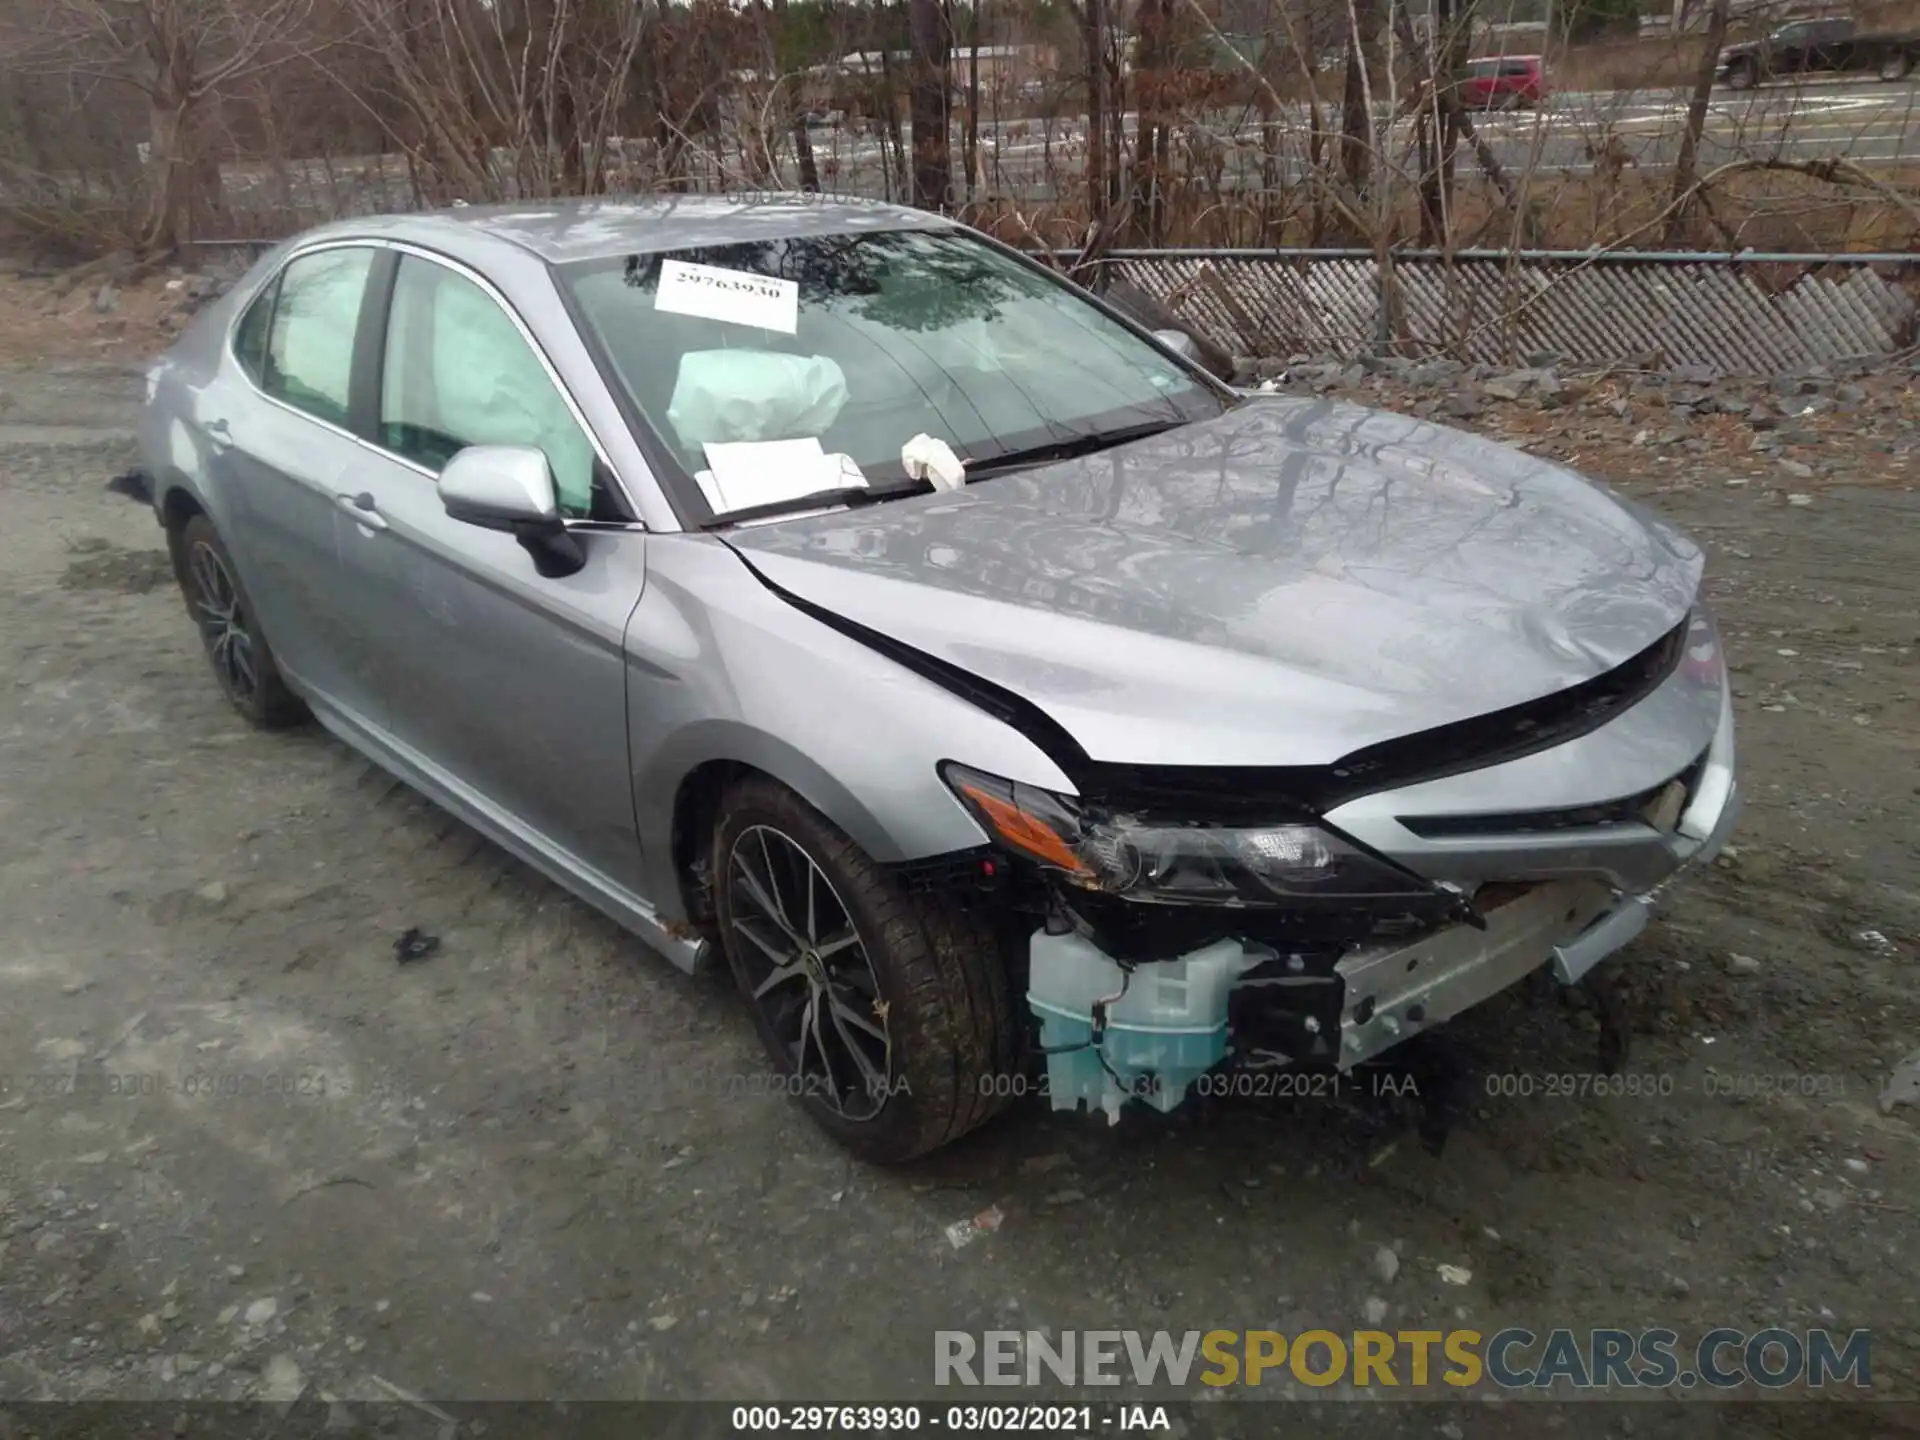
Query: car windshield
[(852, 345)]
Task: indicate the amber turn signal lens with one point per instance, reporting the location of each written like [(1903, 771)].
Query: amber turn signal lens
[(1025, 832)]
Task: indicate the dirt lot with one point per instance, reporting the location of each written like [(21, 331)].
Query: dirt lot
[(514, 1169)]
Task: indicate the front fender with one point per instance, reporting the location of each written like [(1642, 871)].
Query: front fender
[(888, 833), (722, 669)]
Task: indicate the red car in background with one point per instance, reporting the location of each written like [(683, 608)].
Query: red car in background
[(1503, 82), (1492, 82)]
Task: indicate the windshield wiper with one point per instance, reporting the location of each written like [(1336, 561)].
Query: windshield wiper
[(825, 499), (1068, 449), (853, 495)]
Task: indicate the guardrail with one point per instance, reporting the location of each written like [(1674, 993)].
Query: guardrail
[(1746, 312)]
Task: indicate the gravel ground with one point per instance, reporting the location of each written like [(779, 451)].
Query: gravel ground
[(518, 1169)]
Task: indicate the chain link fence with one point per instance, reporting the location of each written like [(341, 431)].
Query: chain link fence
[(1748, 313)]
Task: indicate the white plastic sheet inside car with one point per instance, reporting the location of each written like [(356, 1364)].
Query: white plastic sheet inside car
[(765, 472), (730, 396)]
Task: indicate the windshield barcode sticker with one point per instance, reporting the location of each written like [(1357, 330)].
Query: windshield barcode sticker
[(733, 296)]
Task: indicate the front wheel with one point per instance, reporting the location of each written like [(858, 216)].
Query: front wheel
[(1897, 66), (886, 1012), (1741, 75)]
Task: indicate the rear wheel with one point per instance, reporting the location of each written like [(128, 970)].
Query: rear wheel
[(886, 1012), (242, 660), (1896, 66)]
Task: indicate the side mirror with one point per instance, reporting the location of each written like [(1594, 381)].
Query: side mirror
[(1181, 343), (510, 488), (501, 487)]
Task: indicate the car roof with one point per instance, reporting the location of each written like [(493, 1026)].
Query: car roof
[(560, 231)]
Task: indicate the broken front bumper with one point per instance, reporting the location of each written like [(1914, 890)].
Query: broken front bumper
[(1558, 881), (1164, 1035), (1393, 992)]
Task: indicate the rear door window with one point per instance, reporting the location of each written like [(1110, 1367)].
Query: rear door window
[(309, 350)]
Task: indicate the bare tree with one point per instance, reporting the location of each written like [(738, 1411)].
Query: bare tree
[(328, 105), (1153, 29), (1452, 39), (1356, 124), (1452, 114), (898, 178), (181, 56), (970, 135), (545, 81), (1101, 175), (802, 137), (1686, 161), (930, 104)]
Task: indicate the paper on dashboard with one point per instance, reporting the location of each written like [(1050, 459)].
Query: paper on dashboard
[(744, 473)]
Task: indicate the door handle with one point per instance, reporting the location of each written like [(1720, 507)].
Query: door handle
[(364, 509), (219, 434)]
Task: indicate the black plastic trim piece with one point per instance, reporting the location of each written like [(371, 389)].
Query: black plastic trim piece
[(367, 382), (1517, 731), (1531, 822), (955, 870)]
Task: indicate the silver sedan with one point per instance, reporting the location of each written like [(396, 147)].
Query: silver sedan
[(1014, 706)]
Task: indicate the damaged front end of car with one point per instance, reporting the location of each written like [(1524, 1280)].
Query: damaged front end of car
[(1180, 921)]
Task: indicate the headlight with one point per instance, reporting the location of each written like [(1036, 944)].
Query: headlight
[(1181, 864)]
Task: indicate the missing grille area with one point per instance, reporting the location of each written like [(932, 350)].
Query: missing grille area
[(1628, 810)]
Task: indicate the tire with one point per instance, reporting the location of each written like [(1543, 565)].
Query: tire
[(1742, 74), (935, 981), (221, 610), (1896, 66)]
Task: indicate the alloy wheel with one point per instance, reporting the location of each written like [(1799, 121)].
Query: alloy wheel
[(223, 623), (807, 970)]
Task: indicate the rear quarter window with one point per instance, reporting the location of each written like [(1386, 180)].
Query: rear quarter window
[(250, 335)]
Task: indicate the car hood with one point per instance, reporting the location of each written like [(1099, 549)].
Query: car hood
[(1280, 585), (1746, 47)]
